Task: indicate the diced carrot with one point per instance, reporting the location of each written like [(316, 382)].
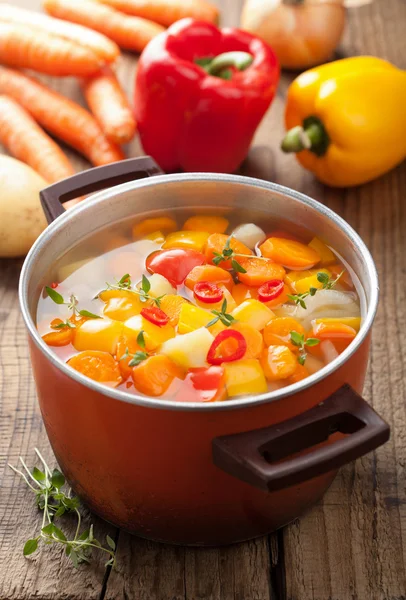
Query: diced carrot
[(289, 253), (171, 304), (345, 279), (154, 375), (99, 366), (210, 223), (61, 337), (216, 244), (167, 12), (253, 337), (130, 33), (209, 273), (259, 271), (277, 332), (27, 48), (164, 224), (300, 374), (278, 362)]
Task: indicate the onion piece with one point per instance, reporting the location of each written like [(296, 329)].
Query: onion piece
[(249, 234), (328, 350)]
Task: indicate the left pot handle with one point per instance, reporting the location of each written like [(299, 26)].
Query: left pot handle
[(93, 180), (272, 458)]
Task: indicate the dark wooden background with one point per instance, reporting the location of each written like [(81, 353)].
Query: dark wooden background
[(352, 545)]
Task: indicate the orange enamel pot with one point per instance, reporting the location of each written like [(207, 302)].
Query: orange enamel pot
[(188, 473)]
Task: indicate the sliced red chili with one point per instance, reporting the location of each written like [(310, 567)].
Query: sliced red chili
[(214, 359), (54, 285), (270, 290), (155, 315), (205, 291)]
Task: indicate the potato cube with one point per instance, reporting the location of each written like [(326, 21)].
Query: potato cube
[(189, 350)]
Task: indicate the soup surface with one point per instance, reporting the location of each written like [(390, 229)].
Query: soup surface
[(200, 308)]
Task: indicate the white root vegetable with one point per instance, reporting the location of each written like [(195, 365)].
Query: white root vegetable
[(160, 286), (249, 234), (189, 350), (21, 216)]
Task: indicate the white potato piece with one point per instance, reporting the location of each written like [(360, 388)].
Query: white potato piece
[(249, 234), (160, 286), (190, 349), (21, 216)]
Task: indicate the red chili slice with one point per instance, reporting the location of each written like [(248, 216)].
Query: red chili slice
[(155, 315), (54, 285), (205, 291), (219, 339), (270, 290)]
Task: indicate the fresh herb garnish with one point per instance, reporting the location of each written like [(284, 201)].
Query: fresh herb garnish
[(54, 502), (298, 340), (72, 305), (228, 254), (327, 284), (142, 292), (139, 356), (222, 315)]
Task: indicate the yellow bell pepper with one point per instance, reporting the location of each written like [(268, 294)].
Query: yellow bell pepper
[(153, 334), (346, 120), (193, 317), (327, 257), (293, 277), (98, 334), (253, 312), (245, 377), (192, 240)]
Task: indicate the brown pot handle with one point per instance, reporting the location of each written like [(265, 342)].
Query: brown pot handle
[(267, 458), (93, 180)]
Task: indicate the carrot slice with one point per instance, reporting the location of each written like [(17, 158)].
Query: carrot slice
[(259, 271), (130, 33), (23, 138), (167, 12), (339, 334), (154, 375), (300, 374), (60, 116), (216, 243), (97, 43), (110, 106), (278, 362), (289, 253), (277, 332), (99, 366), (253, 337), (279, 233), (63, 337), (209, 273), (23, 46), (210, 223), (171, 304)]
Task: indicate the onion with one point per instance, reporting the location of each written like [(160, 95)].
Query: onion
[(303, 33), (249, 234), (328, 350)]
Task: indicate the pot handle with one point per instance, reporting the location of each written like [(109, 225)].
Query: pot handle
[(93, 180), (268, 458)]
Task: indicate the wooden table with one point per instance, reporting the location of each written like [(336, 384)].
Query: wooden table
[(352, 545)]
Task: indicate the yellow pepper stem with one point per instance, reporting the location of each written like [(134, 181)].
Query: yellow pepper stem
[(311, 136)]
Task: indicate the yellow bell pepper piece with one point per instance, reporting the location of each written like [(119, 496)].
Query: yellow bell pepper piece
[(354, 322), (245, 377), (210, 223), (189, 350), (121, 309), (155, 236), (147, 226), (327, 257), (98, 334), (192, 240), (303, 285), (193, 317), (346, 120), (253, 312), (154, 335), (293, 277)]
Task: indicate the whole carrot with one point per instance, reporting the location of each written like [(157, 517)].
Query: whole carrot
[(60, 116), (130, 33), (99, 44), (22, 46), (25, 140), (110, 106), (166, 12)]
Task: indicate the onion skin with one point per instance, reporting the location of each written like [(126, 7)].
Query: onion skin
[(302, 34)]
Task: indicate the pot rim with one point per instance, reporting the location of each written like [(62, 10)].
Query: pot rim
[(238, 403)]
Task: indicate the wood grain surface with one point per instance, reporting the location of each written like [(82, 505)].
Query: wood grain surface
[(352, 545)]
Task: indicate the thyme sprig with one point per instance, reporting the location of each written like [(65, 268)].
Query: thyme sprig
[(142, 292), (139, 356), (72, 305), (327, 282), (50, 498), (228, 253), (298, 340), (222, 315)]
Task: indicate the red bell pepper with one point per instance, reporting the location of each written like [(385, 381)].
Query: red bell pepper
[(200, 94)]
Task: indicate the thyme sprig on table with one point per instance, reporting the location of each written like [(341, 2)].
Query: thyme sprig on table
[(222, 315), (142, 292), (298, 340), (50, 498), (327, 282), (72, 305)]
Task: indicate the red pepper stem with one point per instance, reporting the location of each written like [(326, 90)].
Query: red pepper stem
[(238, 60), (311, 136)]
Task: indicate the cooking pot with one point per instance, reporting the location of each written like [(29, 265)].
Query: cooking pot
[(198, 473)]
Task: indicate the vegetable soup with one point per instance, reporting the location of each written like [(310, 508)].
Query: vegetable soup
[(200, 307)]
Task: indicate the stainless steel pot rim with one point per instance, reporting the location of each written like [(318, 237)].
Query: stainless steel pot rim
[(237, 403)]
